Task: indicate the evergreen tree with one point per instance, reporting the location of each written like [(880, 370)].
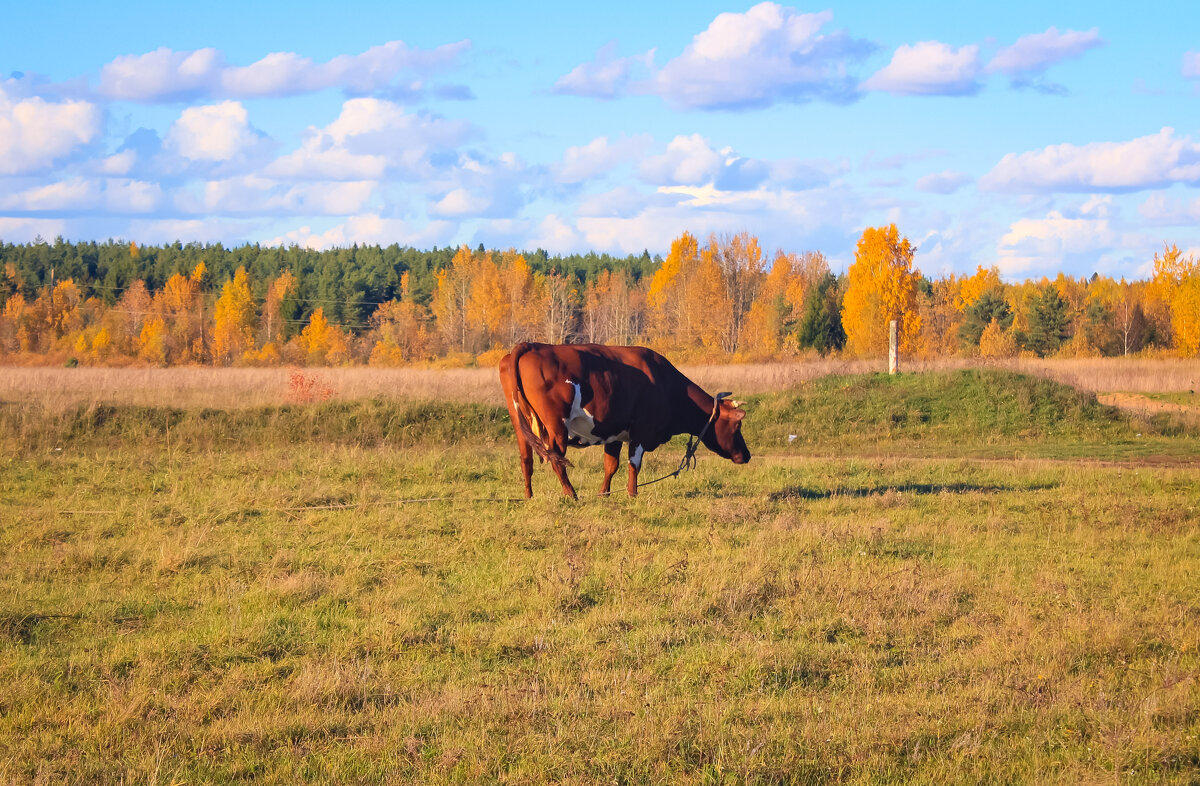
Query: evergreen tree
[(821, 325), (1048, 322), (988, 307)]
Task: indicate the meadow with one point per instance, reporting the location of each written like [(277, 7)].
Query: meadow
[(955, 575)]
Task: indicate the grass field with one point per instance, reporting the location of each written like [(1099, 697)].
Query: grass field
[(968, 576), (225, 388)]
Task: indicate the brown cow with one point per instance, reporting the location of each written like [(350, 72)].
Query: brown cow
[(591, 394)]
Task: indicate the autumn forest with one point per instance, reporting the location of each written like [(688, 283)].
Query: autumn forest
[(720, 298)]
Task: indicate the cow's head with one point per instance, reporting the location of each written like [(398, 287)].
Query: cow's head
[(725, 436)]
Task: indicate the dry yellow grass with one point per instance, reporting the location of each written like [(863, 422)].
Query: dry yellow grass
[(246, 387)]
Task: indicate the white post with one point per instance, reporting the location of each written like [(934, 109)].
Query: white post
[(893, 348)]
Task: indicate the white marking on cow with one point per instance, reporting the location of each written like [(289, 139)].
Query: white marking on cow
[(580, 423), (636, 458)]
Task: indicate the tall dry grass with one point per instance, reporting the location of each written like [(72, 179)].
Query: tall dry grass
[(226, 388)]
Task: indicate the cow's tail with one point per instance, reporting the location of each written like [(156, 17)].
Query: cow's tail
[(537, 439)]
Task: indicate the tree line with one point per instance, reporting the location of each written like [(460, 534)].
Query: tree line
[(717, 298)]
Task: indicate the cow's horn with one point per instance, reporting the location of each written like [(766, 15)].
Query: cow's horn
[(735, 403)]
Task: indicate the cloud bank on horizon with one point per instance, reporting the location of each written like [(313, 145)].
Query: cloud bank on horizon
[(1018, 151)]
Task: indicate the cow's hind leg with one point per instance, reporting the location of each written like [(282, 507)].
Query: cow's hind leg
[(556, 446), (526, 463), (559, 463), (612, 460)]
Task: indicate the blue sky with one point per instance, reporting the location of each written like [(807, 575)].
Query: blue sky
[(1038, 137)]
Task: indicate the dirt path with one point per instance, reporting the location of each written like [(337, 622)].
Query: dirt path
[(1142, 405)]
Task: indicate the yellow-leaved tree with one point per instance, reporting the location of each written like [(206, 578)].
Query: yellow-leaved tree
[(882, 287), (280, 288), (710, 301), (233, 320), (669, 311), (1176, 285), (399, 325), (972, 287), (323, 343), (451, 300)]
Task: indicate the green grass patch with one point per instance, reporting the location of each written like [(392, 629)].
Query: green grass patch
[(223, 597), (367, 422), (862, 620), (971, 412)]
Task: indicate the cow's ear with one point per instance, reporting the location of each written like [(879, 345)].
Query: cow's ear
[(736, 414)]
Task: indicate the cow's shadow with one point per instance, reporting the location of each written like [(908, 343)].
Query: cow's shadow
[(858, 492)]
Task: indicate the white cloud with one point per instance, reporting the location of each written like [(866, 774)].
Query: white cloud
[(620, 202), (479, 187), (1146, 162), (766, 55), (277, 74), (34, 133), (122, 195), (1161, 211), (606, 76), (72, 194), (1191, 65), (598, 157), (26, 230), (203, 230), (1032, 54), (929, 68), (168, 75), (214, 133), (256, 195), (688, 160), (371, 137), (693, 161), (461, 202), (161, 75), (1044, 243), (368, 229), (943, 182), (83, 195), (555, 235), (118, 163), (824, 219)]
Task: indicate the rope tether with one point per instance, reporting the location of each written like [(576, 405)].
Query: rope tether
[(689, 457)]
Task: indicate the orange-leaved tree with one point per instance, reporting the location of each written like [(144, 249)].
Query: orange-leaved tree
[(882, 287)]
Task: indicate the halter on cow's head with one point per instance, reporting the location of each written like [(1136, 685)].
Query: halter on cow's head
[(724, 435)]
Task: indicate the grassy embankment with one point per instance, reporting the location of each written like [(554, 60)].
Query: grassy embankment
[(184, 603)]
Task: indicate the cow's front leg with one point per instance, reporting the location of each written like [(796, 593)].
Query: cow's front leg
[(612, 460), (635, 465)]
